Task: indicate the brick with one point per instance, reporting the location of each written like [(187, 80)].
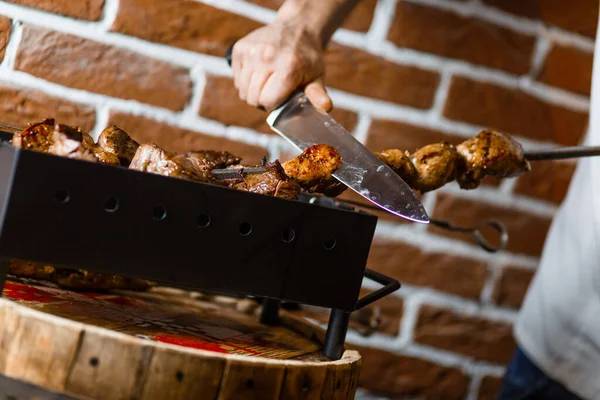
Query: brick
[(568, 68), (410, 264), (20, 106), (450, 35), (90, 10), (489, 388), (189, 25), (386, 134), (359, 72), (179, 140), (84, 64), (512, 111), (399, 376), (512, 286), (359, 19), (5, 28), (471, 336), (221, 102), (527, 232), (580, 16), (548, 180)]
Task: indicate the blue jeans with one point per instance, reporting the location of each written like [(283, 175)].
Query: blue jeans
[(524, 381)]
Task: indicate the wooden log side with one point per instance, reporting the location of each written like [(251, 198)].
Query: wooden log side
[(97, 363), (177, 374), (42, 347), (109, 366)]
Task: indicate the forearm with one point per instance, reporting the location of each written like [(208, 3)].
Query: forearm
[(320, 18)]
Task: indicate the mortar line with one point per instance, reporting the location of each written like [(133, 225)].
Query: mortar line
[(10, 54), (109, 15)]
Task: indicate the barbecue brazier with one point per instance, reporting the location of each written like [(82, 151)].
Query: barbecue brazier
[(78, 214)]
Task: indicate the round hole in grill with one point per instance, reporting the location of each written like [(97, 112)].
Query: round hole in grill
[(245, 229), (250, 384), (94, 361), (159, 213), (288, 235), (329, 244), (203, 220), (62, 196), (111, 205), (179, 376)]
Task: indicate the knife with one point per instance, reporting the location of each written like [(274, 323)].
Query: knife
[(304, 125)]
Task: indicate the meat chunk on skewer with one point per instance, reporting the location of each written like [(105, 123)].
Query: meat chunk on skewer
[(436, 165), (36, 137), (400, 162), (490, 153), (117, 142), (313, 170), (151, 158), (273, 182), (62, 140), (207, 160)]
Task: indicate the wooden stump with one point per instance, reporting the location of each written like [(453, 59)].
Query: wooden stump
[(163, 344)]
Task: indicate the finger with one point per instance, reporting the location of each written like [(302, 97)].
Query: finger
[(244, 80), (277, 89), (317, 94), (257, 82), (236, 63)]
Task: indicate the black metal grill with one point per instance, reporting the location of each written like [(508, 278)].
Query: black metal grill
[(78, 214)]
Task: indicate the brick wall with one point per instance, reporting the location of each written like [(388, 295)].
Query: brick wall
[(402, 74)]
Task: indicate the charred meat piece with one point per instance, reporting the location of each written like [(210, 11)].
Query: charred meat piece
[(313, 169), (490, 153), (151, 158), (436, 165), (117, 142), (273, 182), (77, 279), (207, 160), (36, 137), (400, 162)]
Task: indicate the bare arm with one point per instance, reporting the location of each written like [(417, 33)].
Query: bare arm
[(273, 61)]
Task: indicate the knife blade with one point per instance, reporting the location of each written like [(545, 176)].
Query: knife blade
[(304, 125)]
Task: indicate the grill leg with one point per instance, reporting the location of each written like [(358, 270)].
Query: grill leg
[(336, 334), (3, 271), (270, 312)]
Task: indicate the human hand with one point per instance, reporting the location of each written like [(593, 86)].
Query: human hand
[(272, 62)]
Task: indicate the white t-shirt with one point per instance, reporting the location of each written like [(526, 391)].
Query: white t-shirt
[(559, 323)]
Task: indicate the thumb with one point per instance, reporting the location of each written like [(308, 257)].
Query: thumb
[(316, 93)]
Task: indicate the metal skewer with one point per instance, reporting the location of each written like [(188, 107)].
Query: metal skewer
[(561, 153)]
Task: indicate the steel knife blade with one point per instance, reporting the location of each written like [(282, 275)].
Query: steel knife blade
[(305, 125)]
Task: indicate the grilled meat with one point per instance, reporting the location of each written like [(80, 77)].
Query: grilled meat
[(76, 278), (151, 158), (312, 170), (273, 182), (62, 140), (490, 153), (68, 142), (436, 165), (37, 137), (117, 142), (207, 160), (400, 163)]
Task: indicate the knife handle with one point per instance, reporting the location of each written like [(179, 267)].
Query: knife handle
[(229, 53), (228, 57)]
